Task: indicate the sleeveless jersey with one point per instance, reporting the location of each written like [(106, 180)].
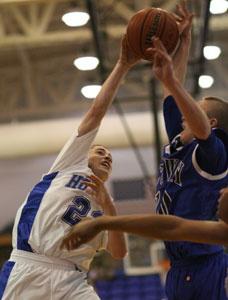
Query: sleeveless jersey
[(190, 178), (58, 202)]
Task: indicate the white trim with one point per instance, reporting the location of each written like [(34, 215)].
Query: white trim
[(203, 173), (167, 147)]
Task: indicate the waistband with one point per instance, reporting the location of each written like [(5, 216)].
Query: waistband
[(49, 262), (195, 259)]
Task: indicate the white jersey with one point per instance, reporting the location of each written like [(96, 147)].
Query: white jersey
[(58, 202)]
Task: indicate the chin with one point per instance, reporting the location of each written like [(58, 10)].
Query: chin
[(103, 175)]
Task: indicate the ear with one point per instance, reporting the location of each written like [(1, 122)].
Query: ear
[(213, 122)]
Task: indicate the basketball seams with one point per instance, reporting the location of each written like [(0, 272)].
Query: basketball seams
[(142, 30), (151, 22), (164, 24)]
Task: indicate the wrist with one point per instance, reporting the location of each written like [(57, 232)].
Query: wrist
[(172, 83), (123, 65), (109, 209), (185, 43)]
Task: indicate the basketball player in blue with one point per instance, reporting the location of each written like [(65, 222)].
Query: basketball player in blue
[(193, 171), (37, 268)]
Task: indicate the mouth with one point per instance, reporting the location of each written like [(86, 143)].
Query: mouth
[(106, 165)]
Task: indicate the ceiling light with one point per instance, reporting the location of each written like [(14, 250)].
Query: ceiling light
[(86, 63), (211, 52), (90, 91), (218, 6), (75, 18), (205, 81)]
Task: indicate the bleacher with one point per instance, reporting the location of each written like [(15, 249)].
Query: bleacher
[(123, 287)]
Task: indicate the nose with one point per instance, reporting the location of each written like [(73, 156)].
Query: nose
[(108, 158)]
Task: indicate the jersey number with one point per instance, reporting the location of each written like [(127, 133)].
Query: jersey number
[(79, 210)]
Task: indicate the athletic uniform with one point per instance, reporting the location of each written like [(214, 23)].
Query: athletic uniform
[(190, 179), (37, 269)]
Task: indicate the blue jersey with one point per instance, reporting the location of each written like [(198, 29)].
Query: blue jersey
[(190, 179)]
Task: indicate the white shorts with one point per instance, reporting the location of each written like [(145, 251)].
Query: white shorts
[(38, 277)]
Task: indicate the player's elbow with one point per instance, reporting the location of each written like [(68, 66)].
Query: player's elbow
[(204, 133), (119, 253)]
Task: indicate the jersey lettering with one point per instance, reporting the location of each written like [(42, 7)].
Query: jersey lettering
[(170, 165), (177, 175), (173, 169), (161, 172), (163, 204), (76, 182)]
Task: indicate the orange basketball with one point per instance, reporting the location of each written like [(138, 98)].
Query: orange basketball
[(151, 22)]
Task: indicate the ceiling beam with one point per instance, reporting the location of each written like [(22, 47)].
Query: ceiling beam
[(23, 2), (82, 35)]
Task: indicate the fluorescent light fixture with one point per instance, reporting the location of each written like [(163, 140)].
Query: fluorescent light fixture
[(205, 81), (86, 63), (75, 18), (218, 6), (211, 52), (90, 91)]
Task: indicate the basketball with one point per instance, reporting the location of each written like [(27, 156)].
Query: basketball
[(151, 22)]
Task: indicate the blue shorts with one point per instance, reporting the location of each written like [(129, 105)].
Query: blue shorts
[(203, 278)]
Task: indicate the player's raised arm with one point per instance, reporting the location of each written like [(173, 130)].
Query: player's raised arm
[(109, 88), (180, 59), (190, 110)]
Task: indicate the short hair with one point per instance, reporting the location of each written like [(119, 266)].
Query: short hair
[(218, 110), (97, 145)]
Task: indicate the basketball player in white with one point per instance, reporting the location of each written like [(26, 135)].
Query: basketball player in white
[(37, 268)]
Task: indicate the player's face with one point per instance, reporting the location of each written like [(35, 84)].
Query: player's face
[(222, 210), (100, 161)]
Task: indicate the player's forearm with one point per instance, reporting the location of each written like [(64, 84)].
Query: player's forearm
[(116, 244), (194, 115), (104, 99), (110, 87), (116, 241), (180, 61), (167, 228), (150, 226)]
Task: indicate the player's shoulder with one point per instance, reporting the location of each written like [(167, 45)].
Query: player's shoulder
[(222, 135)]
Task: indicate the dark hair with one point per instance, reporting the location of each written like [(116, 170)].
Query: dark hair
[(218, 110)]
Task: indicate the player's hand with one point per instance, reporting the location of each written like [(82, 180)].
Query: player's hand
[(97, 189), (80, 233), (127, 56), (184, 21), (222, 210), (163, 65)]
